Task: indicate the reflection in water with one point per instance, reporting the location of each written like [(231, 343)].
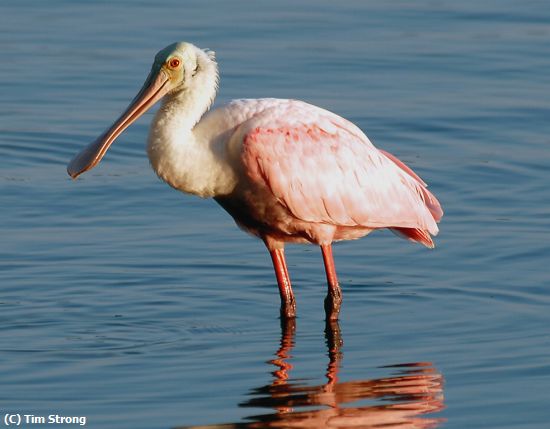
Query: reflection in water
[(398, 401)]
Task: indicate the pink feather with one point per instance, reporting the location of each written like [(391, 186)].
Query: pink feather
[(326, 171)]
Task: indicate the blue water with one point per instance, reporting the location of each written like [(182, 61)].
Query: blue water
[(135, 306)]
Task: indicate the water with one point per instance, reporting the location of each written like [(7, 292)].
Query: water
[(137, 307)]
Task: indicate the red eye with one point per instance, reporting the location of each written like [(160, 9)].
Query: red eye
[(174, 63)]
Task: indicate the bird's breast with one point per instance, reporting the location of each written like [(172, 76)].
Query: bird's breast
[(191, 164)]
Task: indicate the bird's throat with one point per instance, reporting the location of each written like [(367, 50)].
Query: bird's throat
[(184, 158)]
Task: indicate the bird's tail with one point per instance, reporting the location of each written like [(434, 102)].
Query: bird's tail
[(431, 202), (429, 199), (433, 205), (415, 234)]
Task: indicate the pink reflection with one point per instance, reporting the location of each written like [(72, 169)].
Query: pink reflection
[(401, 400)]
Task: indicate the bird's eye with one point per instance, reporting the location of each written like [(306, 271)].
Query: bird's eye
[(174, 63)]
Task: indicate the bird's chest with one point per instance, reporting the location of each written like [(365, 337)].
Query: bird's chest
[(259, 212), (189, 165), (177, 168)]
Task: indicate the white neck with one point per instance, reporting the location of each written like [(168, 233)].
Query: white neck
[(188, 160)]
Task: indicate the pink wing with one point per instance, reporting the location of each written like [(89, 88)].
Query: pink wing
[(324, 169)]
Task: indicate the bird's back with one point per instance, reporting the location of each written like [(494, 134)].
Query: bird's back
[(320, 169)]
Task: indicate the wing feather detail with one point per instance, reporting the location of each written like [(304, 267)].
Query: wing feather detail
[(324, 169)]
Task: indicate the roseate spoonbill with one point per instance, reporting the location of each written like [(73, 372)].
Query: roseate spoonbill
[(285, 170)]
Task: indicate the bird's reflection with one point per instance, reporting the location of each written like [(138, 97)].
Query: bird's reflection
[(401, 400)]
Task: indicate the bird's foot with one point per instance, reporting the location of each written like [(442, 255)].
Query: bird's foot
[(288, 310), (333, 302)]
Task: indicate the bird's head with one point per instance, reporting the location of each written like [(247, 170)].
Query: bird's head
[(178, 68), (183, 65)]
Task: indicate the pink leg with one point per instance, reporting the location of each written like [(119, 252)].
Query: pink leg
[(288, 303), (333, 301)]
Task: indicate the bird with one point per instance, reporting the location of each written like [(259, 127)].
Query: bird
[(285, 170)]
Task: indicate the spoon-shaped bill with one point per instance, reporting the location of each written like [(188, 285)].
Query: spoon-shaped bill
[(154, 88)]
